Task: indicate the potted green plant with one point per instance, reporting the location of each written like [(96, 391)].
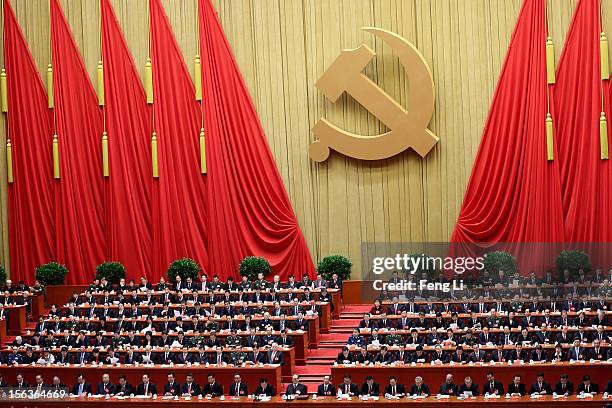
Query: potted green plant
[(111, 271), (51, 273), (573, 260), (496, 261), (338, 264), (185, 268), (3, 275), (251, 266)]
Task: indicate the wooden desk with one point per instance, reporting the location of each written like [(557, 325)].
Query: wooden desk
[(158, 374), (38, 306), (16, 316), (547, 402), (600, 373), (2, 331)]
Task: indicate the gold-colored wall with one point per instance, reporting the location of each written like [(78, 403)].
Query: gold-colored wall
[(283, 46)]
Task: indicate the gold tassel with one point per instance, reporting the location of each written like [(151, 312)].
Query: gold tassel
[(604, 55), (56, 158), (100, 84), (202, 152), (550, 150), (154, 155), (9, 161), (197, 72), (550, 61), (3, 91), (105, 169), (603, 136), (50, 96), (149, 81)]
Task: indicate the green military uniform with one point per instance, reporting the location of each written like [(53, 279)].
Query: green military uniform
[(117, 342), (71, 326), (238, 357), (394, 339), (197, 341), (233, 341)]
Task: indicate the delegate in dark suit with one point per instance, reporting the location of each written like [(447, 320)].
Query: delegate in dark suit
[(104, 389), (238, 390), (517, 389), (143, 390), (172, 389), (268, 391), (371, 390), (191, 389), (395, 390), (324, 390), (562, 389), (214, 390), (296, 389), (473, 388), (591, 388), (496, 387), (423, 389), (79, 389), (348, 389), (542, 387)]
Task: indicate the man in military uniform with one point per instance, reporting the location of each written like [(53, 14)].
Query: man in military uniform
[(260, 283), (117, 341), (393, 339), (469, 339), (237, 357), (197, 339), (233, 340)]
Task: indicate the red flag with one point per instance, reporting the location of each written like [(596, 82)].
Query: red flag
[(514, 193), (29, 126), (179, 194), (80, 200), (249, 212), (129, 134)]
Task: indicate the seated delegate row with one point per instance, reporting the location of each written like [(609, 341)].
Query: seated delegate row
[(216, 284), (108, 311), (482, 305), (461, 355), (505, 336), (132, 355), (230, 338), (172, 387), (169, 297), (173, 323), (467, 388)]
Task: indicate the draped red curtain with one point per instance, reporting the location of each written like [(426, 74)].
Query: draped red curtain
[(29, 127), (249, 211), (79, 197), (514, 193), (179, 194), (578, 104), (128, 123)]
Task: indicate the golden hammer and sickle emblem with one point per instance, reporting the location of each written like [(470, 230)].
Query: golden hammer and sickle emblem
[(408, 128)]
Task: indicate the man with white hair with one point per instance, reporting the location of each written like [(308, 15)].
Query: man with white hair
[(448, 387), (296, 388)]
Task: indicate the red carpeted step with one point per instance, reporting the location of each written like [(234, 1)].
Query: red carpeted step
[(345, 323), (321, 353), (331, 337), (321, 362), (312, 371), (357, 308)]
